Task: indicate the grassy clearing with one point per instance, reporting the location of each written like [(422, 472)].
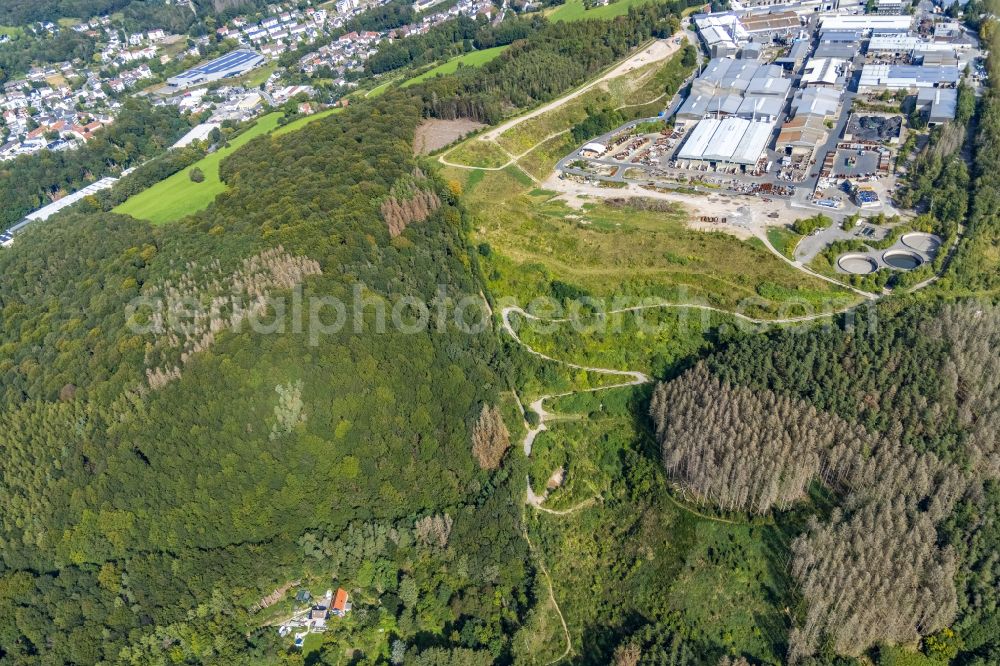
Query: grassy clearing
[(312, 643), (177, 196), (543, 158), (537, 242), (783, 240), (473, 59), (381, 88), (255, 78), (476, 153), (299, 123), (574, 10), (10, 30)]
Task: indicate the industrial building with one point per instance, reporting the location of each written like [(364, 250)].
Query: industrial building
[(722, 34), (761, 108), (766, 85), (728, 87), (890, 7), (726, 75), (768, 26), (823, 71), (801, 135), (819, 102), (234, 63), (729, 140), (893, 43), (907, 77), (867, 23), (725, 33), (842, 44), (930, 54), (797, 55), (940, 104)]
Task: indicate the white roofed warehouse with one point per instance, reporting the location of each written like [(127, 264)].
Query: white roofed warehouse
[(907, 77), (734, 141)]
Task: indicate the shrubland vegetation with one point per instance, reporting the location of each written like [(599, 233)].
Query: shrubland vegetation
[(618, 249), (807, 225)]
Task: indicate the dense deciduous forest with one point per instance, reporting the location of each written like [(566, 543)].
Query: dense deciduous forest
[(140, 132), (394, 14), (974, 267), (112, 483)]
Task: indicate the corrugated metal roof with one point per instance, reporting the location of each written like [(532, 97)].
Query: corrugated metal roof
[(907, 76), (761, 107), (725, 139), (754, 140), (695, 106), (698, 140), (768, 85), (865, 22)]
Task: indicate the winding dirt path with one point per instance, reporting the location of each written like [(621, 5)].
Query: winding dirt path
[(552, 596), (655, 51), (635, 378), (762, 235)]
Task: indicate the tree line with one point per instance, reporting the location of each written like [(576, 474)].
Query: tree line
[(545, 63), (454, 37)]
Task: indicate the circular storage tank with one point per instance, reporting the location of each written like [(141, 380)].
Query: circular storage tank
[(858, 264), (921, 242), (903, 260)]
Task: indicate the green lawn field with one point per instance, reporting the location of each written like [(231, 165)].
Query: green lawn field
[(174, 197), (573, 10), (177, 196), (299, 123), (473, 59), (379, 89)]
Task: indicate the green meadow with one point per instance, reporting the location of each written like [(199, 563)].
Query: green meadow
[(472, 59), (574, 10), (177, 196)]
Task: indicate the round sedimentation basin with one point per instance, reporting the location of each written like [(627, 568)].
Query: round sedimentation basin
[(903, 260), (858, 264), (921, 242)]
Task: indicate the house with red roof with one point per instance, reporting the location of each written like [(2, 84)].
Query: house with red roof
[(341, 603)]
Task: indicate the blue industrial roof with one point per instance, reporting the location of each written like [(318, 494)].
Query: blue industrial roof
[(229, 61)]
